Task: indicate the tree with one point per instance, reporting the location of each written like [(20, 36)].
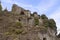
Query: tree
[(52, 23), (5, 10), (34, 12), (0, 7), (58, 35)]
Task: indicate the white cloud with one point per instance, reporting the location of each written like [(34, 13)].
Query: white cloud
[(26, 6), (15, 2), (45, 5), (8, 1)]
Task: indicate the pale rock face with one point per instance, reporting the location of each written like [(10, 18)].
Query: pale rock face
[(27, 13), (40, 22), (46, 36), (36, 16), (16, 9), (51, 32), (31, 22)]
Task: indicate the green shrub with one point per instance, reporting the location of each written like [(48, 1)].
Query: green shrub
[(18, 31), (0, 7), (34, 12), (36, 21), (46, 23), (7, 33), (49, 23), (32, 15), (43, 16), (5, 10), (24, 32), (18, 24), (52, 23)]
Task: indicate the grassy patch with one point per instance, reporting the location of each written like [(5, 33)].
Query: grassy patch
[(18, 31)]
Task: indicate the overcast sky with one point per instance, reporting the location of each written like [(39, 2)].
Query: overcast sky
[(49, 7)]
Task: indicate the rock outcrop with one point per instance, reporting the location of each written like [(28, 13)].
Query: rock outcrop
[(21, 24)]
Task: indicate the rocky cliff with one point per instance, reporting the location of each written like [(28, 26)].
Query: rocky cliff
[(21, 24)]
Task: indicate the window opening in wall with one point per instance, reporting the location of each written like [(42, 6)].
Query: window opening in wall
[(19, 19), (22, 13), (28, 39), (44, 38)]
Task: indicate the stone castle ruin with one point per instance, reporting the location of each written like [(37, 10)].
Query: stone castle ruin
[(21, 24)]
